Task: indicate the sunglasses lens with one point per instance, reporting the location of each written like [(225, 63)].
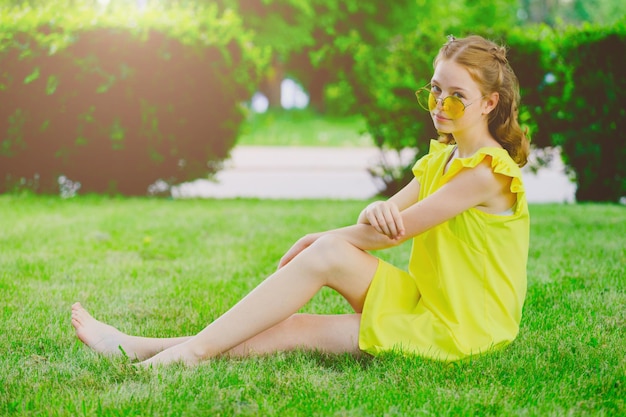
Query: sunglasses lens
[(432, 102), (453, 106)]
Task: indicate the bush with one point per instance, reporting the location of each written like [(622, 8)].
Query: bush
[(587, 118), (117, 107), (384, 84), (573, 92)]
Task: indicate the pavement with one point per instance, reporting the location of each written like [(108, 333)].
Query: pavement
[(334, 173)]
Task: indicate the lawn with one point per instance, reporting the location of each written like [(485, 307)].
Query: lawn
[(303, 128), (163, 267)]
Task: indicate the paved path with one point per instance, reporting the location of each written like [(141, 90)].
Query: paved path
[(335, 173)]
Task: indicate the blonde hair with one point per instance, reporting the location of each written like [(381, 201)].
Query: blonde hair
[(487, 64)]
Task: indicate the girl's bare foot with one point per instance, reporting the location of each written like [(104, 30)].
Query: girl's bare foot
[(97, 335)]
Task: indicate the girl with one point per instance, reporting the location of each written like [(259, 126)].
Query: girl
[(466, 213)]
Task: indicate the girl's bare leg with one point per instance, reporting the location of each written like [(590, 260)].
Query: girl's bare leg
[(262, 322), (328, 333), (330, 261)]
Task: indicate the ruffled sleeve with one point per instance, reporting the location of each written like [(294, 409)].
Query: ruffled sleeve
[(501, 163)]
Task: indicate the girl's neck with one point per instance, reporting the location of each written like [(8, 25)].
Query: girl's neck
[(468, 144)]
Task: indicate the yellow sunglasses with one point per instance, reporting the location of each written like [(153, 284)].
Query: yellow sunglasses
[(451, 105)]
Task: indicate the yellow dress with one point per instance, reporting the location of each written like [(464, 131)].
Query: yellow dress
[(465, 287)]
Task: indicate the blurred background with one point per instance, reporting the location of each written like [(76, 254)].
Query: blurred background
[(146, 97)]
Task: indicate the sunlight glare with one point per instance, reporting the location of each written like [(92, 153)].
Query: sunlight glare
[(141, 4)]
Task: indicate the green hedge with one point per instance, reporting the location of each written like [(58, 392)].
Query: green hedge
[(587, 119), (574, 93), (119, 100)]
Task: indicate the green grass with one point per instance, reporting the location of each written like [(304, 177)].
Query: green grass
[(168, 267), (303, 128)]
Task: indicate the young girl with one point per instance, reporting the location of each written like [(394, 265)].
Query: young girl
[(466, 213)]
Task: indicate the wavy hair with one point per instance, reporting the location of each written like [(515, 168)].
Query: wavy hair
[(488, 65)]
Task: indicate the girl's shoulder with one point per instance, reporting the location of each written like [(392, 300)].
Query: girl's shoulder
[(497, 159)]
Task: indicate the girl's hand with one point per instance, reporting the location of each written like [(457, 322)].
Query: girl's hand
[(298, 247), (385, 218)]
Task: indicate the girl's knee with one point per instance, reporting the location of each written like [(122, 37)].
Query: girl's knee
[(331, 250)]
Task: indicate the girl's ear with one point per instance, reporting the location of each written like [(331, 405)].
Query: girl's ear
[(490, 102)]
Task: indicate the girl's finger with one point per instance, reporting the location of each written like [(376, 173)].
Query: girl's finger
[(390, 221), (374, 222)]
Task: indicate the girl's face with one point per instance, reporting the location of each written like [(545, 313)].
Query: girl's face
[(452, 79)]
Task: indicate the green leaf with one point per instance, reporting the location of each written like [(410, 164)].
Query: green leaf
[(53, 83), (88, 115), (106, 86), (156, 156), (44, 125), (32, 76), (117, 135)]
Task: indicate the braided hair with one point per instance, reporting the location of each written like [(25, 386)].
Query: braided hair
[(488, 65)]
